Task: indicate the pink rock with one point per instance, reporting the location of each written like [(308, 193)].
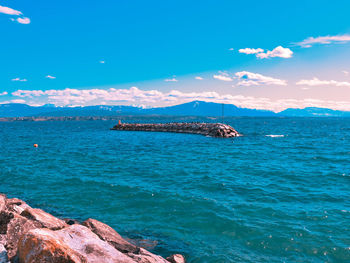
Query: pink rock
[(45, 219), (15, 228), (74, 244), (16, 205), (2, 202), (176, 258), (108, 234), (145, 256)]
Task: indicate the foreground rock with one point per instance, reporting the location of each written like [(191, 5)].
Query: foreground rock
[(75, 243), (108, 234), (208, 129), (29, 235), (177, 258)]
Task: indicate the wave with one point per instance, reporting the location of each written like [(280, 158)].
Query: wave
[(274, 135)]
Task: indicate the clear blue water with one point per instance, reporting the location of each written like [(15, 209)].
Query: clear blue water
[(249, 199)]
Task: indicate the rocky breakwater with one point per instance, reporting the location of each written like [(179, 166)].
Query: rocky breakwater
[(29, 235), (208, 129)]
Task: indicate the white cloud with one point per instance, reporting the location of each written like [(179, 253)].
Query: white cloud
[(198, 78), (309, 42), (318, 82), (50, 77), (24, 20), (250, 50), (279, 51), (102, 62), (9, 11), (346, 73), (13, 12), (135, 96), (171, 80), (19, 79), (29, 93), (3, 93), (18, 101), (231, 49), (254, 79), (223, 76)]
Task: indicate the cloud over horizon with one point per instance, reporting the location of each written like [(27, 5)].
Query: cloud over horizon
[(254, 79), (223, 76), (133, 95), (317, 82), (310, 41)]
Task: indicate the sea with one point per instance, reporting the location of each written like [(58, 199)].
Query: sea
[(279, 193)]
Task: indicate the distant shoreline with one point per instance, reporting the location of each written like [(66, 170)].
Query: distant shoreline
[(140, 117), (103, 118)]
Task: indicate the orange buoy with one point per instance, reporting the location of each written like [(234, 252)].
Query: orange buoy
[(35, 145)]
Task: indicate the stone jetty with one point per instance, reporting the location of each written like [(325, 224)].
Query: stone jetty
[(208, 129), (29, 235)]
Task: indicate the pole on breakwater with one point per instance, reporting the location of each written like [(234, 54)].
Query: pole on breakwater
[(222, 112)]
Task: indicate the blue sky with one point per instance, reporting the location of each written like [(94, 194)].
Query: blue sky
[(256, 54)]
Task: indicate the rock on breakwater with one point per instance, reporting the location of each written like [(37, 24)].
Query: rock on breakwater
[(29, 235), (208, 129)]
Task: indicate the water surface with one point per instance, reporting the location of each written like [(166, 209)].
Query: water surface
[(255, 198)]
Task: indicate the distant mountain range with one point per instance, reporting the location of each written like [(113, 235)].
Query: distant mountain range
[(194, 108), (314, 112)]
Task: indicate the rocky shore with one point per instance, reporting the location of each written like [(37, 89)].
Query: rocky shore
[(29, 235), (207, 129)]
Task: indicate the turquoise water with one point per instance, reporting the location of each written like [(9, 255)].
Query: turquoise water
[(254, 198)]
